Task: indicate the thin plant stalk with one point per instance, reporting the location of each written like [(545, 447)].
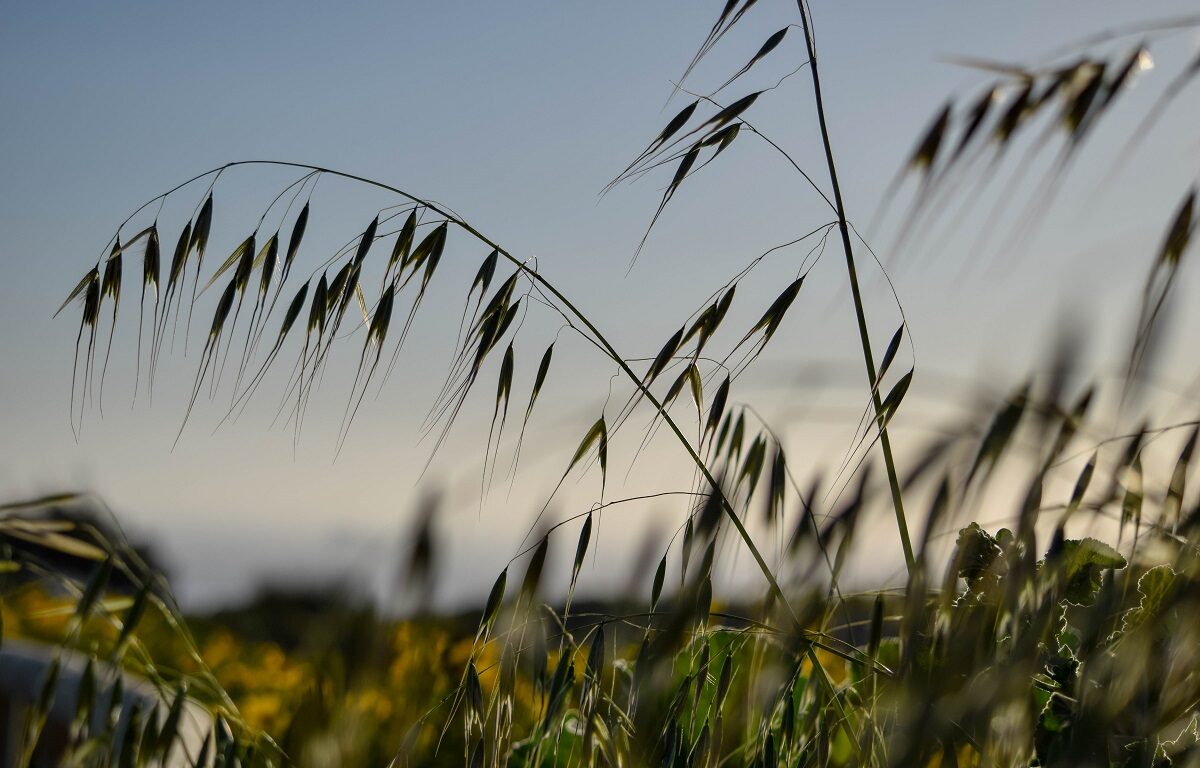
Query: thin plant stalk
[(860, 313)]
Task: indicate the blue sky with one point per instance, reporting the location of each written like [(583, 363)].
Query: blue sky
[(515, 115)]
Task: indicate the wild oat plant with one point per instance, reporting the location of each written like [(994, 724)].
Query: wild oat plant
[(1013, 650)]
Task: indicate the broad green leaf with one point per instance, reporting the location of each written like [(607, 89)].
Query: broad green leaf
[(1084, 561), (1156, 587), (976, 552)]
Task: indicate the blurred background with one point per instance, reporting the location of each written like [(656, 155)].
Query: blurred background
[(516, 116)]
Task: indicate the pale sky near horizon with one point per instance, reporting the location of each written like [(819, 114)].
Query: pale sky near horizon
[(515, 115)]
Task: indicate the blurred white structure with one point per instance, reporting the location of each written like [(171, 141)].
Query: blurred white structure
[(23, 670)]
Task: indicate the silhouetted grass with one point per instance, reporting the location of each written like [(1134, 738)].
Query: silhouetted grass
[(1013, 650)]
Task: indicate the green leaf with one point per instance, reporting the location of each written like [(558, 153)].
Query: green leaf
[(976, 552), (1156, 587), (1084, 561)]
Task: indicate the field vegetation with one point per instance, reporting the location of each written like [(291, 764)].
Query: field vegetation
[(1024, 643)]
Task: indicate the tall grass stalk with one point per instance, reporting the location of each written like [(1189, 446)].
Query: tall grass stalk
[(860, 313)]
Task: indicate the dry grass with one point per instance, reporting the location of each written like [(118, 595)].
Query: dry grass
[(1014, 651)]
